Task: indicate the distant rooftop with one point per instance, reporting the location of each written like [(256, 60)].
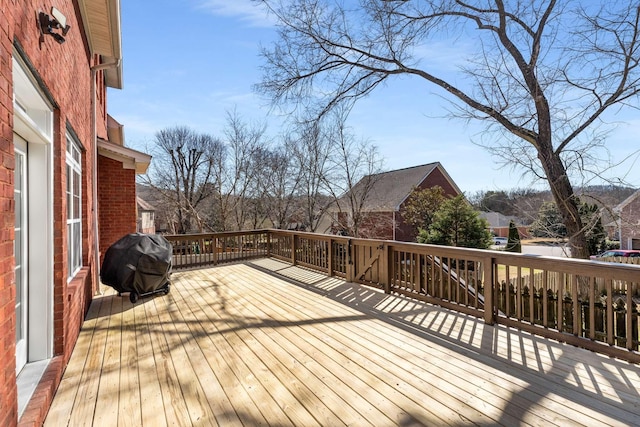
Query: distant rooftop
[(390, 189)]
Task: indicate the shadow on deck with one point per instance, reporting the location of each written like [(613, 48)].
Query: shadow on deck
[(264, 342)]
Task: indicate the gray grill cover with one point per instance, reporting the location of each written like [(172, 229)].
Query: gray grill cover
[(137, 263)]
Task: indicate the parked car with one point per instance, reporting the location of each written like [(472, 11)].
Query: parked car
[(500, 241), (617, 253)]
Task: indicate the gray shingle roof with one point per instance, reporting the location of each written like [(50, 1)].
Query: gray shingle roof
[(391, 188), (144, 205)]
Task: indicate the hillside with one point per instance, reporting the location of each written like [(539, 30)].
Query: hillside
[(525, 203)]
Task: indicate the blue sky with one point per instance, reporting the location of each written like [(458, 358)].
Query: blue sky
[(189, 62)]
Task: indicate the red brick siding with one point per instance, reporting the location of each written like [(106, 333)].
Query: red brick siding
[(406, 232), (39, 404), (116, 201), (8, 392), (630, 223), (377, 225), (436, 177), (64, 70)]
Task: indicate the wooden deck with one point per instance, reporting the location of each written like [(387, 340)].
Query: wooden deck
[(264, 343)]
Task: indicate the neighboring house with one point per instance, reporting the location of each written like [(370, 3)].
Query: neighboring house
[(499, 224), (164, 215), (384, 195), (146, 217), (628, 212), (62, 167), (610, 219)]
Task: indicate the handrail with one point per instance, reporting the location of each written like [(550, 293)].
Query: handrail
[(199, 250), (591, 304)]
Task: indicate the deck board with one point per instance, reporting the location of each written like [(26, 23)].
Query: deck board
[(69, 385), (265, 343), (206, 369), (110, 384), (89, 381), (433, 388), (151, 401), (175, 406), (269, 394), (350, 349), (129, 412), (582, 369), (277, 352)]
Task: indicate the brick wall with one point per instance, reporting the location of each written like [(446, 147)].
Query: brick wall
[(406, 232), (376, 225), (8, 397), (116, 202), (63, 72), (436, 177), (630, 223)]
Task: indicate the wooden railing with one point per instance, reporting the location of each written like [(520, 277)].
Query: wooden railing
[(621, 259), (198, 250), (590, 304)]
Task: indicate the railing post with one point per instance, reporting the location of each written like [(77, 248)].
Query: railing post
[(215, 251), (385, 273), (330, 258), (629, 318), (269, 244), (350, 267), (294, 241), (489, 282)]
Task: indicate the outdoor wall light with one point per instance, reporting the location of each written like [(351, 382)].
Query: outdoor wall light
[(48, 25)]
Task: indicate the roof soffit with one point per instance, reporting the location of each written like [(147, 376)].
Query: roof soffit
[(101, 20), (130, 159)]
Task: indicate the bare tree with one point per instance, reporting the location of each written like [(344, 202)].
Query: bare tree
[(353, 169), (278, 180), (311, 150), (182, 171), (235, 173), (421, 206), (542, 73)]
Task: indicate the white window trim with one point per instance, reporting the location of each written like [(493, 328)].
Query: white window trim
[(74, 243)]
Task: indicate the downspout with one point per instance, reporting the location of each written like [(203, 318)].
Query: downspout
[(94, 134)]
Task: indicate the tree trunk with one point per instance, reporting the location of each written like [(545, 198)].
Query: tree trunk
[(566, 201)]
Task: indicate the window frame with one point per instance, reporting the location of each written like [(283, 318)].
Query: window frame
[(73, 193)]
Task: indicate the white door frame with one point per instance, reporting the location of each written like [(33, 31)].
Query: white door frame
[(21, 197), (33, 122)]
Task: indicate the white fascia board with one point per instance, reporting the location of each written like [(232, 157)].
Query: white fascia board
[(130, 159)]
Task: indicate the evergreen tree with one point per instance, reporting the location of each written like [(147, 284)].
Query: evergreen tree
[(549, 222), (456, 223), (513, 244), (594, 231)]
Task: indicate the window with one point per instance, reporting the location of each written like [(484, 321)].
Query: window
[(74, 208)]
